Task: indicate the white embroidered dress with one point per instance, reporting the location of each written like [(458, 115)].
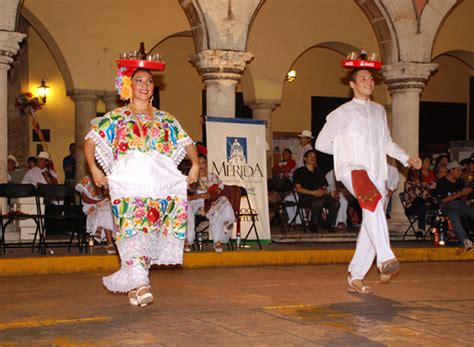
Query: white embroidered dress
[(140, 154)]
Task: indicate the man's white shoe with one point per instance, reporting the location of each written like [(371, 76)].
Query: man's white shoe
[(467, 244)]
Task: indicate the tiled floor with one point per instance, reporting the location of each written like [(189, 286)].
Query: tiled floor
[(429, 304)]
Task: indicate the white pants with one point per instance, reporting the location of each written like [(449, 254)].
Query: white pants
[(342, 213), (373, 241)]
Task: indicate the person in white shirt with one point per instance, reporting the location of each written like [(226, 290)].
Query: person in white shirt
[(392, 183), (305, 145), (41, 174), (341, 219), (357, 135)]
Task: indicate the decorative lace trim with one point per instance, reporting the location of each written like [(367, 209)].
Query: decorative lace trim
[(156, 248), (103, 153), (180, 152)]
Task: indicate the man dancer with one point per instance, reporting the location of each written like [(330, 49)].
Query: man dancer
[(357, 135)]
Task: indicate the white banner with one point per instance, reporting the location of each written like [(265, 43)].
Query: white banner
[(236, 150)]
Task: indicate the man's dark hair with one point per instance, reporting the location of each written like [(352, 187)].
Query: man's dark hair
[(308, 152), (465, 161), (288, 150), (353, 73), (32, 159), (70, 145)]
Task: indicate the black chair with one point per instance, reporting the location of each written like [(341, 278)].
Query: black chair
[(78, 225), (277, 191), (412, 218), (13, 191), (65, 210), (251, 214)]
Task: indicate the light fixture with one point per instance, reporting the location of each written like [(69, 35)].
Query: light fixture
[(291, 76), (43, 91)]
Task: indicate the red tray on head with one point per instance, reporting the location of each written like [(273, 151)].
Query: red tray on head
[(369, 64), (141, 64)]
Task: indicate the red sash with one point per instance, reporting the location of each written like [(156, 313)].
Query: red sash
[(365, 191)]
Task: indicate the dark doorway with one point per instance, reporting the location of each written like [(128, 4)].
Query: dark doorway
[(321, 106), (440, 123)]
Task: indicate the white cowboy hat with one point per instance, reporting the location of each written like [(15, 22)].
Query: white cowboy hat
[(306, 133), (12, 157), (43, 155)]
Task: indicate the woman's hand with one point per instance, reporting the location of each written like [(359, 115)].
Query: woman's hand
[(193, 174), (99, 178)]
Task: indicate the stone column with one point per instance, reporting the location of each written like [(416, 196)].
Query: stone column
[(85, 110), (9, 46), (405, 82), (263, 111), (110, 99), (221, 70)]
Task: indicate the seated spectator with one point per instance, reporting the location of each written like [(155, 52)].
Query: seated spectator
[(69, 165), (427, 175), (468, 171), (31, 162), (417, 199), (12, 167), (283, 170), (97, 207), (452, 189), (311, 186), (336, 190), (41, 174), (441, 159), (440, 172), (392, 184), (207, 201)]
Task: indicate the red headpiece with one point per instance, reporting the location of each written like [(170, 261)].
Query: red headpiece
[(364, 61), (129, 63)]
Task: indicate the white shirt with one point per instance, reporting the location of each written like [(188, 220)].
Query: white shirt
[(301, 153), (357, 134), (35, 176)]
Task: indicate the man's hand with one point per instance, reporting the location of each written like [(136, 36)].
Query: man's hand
[(466, 191), (415, 162)]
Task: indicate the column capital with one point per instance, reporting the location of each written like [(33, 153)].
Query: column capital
[(403, 75), (220, 64), (84, 95), (263, 105), (9, 45)]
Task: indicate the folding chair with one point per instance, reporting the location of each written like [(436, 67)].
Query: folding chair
[(79, 224), (280, 189), (250, 214), (412, 218), (235, 194), (12, 191), (303, 211), (68, 210)]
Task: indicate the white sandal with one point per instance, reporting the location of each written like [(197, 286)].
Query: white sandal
[(358, 289), (144, 296)]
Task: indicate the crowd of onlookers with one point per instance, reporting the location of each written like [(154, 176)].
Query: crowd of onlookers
[(439, 184)]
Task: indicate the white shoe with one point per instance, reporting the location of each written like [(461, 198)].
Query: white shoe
[(467, 244), (218, 248)]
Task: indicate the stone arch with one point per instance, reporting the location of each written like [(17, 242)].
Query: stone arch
[(466, 57), (406, 29), (186, 33), (50, 42)]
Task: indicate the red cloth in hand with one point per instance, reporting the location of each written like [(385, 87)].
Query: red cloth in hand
[(214, 192), (366, 192)]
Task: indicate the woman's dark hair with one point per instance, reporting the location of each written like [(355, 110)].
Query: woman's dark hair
[(413, 173), (425, 156), (439, 158), (202, 156)]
